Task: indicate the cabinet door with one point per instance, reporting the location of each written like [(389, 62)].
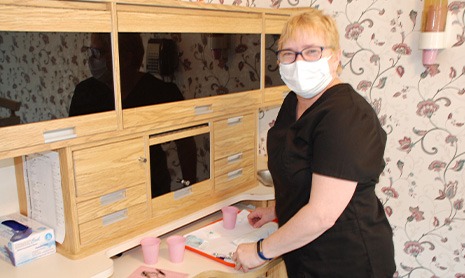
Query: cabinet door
[(107, 168)]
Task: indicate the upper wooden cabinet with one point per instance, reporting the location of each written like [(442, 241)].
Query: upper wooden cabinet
[(44, 57), (35, 71)]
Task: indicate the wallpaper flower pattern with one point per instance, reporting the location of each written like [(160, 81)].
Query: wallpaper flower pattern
[(423, 111)]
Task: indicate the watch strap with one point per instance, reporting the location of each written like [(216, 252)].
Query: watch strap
[(260, 251)]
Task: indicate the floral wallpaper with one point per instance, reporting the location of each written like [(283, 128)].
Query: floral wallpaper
[(423, 111), (421, 108)]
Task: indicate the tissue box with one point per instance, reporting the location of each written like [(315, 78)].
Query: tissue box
[(23, 239)]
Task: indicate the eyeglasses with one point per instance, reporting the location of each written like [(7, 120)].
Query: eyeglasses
[(94, 52), (309, 54)]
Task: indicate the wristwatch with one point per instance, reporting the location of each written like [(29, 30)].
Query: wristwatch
[(260, 251)]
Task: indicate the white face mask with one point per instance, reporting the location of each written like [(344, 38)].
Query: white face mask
[(307, 79)]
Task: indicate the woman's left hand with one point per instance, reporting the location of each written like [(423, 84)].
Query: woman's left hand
[(246, 257)]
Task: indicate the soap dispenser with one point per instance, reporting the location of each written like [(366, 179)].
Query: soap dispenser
[(433, 35)]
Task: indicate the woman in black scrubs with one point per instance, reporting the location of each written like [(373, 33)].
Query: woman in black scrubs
[(325, 154)]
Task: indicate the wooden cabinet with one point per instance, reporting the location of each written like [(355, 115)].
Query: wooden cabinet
[(110, 191), (107, 168), (105, 172)]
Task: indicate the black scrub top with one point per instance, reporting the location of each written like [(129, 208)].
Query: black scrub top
[(338, 136)]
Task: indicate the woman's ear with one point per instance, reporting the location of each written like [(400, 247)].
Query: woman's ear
[(336, 62)]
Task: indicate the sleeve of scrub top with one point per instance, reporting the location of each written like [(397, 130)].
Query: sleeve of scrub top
[(350, 144)]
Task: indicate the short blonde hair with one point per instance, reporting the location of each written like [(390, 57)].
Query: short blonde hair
[(312, 20)]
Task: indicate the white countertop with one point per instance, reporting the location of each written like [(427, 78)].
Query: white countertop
[(101, 265)]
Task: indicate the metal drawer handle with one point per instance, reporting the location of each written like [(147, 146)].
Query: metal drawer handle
[(113, 197), (203, 109), (234, 174), (115, 217), (59, 134), (235, 120), (234, 157)]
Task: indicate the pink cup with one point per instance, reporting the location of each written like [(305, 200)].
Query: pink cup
[(176, 248), (150, 247), (229, 217)]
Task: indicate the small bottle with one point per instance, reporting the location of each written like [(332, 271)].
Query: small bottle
[(433, 21)]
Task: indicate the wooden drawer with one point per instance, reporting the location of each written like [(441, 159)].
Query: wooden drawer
[(234, 134), (233, 162), (190, 112), (236, 178), (177, 204), (111, 202), (108, 168), (113, 225)]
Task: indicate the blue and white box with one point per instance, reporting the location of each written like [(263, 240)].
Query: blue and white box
[(23, 239)]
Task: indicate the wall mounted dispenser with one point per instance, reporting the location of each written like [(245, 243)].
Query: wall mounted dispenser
[(433, 35)]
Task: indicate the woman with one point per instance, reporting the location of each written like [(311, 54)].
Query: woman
[(325, 154)]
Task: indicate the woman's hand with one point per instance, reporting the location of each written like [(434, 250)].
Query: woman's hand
[(261, 216), (246, 257)]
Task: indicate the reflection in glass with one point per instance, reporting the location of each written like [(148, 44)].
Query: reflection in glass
[(179, 163), (42, 70), (272, 76), (138, 88), (205, 64), (95, 94)]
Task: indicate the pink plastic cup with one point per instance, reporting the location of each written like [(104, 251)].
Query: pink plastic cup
[(229, 217), (150, 248), (176, 248)]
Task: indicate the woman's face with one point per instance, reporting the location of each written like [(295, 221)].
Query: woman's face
[(305, 38), (97, 43)]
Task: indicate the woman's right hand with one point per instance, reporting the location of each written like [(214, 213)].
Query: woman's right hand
[(261, 216)]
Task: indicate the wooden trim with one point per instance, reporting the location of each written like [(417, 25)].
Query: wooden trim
[(29, 138), (161, 19), (183, 133), (21, 185), (54, 19)]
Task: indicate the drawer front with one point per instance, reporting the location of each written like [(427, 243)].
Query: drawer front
[(236, 178), (178, 204), (104, 169), (111, 202), (113, 225), (234, 134), (233, 162), (191, 111)]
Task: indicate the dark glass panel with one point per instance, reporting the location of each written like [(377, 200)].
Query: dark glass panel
[(180, 163)]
